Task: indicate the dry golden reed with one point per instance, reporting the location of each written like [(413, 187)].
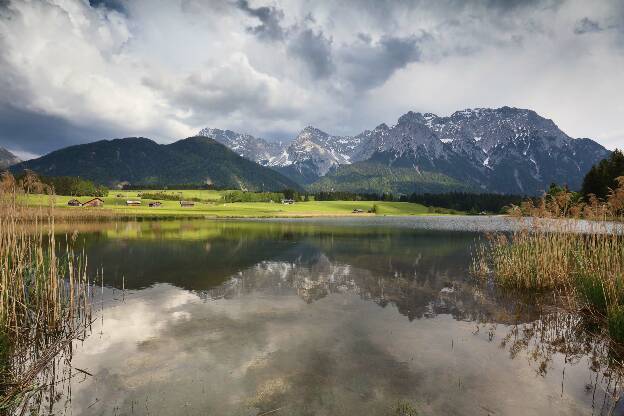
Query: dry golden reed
[(553, 250), (44, 296)]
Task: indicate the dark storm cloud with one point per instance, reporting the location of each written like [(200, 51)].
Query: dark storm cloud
[(315, 50), (369, 64), (38, 133), (117, 5), (586, 25), (386, 11), (310, 47), (509, 5), (270, 20), (166, 68)]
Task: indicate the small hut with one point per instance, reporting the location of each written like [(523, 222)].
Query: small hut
[(73, 203), (133, 203), (187, 204), (155, 204), (288, 201), (95, 202)]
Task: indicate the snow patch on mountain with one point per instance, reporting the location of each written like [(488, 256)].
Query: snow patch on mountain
[(505, 149)]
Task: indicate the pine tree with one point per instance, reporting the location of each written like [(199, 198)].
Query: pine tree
[(602, 176)]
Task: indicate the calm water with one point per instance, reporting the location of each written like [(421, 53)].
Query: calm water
[(305, 318)]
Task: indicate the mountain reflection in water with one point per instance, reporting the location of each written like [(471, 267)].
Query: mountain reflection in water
[(246, 318)]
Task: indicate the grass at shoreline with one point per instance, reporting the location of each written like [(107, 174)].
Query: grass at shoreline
[(211, 207), (585, 268)]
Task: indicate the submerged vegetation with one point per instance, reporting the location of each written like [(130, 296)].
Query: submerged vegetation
[(44, 295), (548, 251)]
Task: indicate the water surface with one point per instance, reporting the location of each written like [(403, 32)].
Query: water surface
[(318, 318)]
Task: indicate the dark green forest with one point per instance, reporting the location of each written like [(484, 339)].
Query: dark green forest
[(601, 177), (198, 161)]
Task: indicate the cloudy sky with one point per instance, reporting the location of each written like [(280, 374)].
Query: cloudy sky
[(75, 71)]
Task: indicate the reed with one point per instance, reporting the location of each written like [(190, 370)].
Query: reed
[(550, 252), (44, 295)]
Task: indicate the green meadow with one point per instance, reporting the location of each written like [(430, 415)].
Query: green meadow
[(210, 204)]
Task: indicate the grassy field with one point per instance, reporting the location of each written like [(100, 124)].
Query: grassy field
[(211, 206)]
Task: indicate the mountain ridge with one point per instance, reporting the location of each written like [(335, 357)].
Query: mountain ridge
[(505, 150), (139, 160)]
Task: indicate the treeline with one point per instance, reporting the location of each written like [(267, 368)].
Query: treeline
[(457, 201), (468, 202), (164, 196), (602, 177), (352, 196), (601, 196), (180, 187), (242, 196), (66, 185)]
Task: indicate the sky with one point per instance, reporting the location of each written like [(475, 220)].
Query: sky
[(76, 71)]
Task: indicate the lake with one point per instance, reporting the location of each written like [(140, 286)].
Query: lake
[(331, 317)]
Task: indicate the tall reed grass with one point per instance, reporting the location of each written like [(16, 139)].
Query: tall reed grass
[(44, 293), (552, 251)]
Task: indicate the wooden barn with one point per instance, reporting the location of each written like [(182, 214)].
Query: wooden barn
[(187, 203), (133, 203), (95, 202), (73, 203), (155, 204)]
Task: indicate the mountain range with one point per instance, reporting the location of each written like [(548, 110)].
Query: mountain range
[(7, 158), (141, 161), (503, 150)]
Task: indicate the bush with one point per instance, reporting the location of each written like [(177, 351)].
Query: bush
[(162, 196)]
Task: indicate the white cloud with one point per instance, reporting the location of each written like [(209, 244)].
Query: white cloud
[(70, 61), (23, 155), (163, 69)]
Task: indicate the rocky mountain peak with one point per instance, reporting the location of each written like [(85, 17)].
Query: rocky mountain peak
[(411, 117), (246, 145), (503, 149), (382, 127), (313, 134)]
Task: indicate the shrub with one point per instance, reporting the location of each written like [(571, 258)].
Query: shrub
[(242, 196)]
